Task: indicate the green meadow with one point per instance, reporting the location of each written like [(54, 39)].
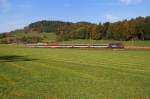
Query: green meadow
[(38, 73)]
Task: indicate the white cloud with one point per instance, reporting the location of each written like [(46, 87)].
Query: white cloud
[(13, 24), (111, 18), (112, 4), (119, 2), (128, 2)]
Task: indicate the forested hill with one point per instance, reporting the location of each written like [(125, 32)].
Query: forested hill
[(138, 28), (56, 26), (47, 26)]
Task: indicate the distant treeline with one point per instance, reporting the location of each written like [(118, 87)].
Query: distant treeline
[(137, 29)]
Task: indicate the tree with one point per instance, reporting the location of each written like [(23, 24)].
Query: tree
[(80, 33), (98, 32)]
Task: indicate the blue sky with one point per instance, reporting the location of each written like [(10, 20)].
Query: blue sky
[(16, 14)]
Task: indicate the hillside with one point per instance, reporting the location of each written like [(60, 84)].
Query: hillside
[(47, 31), (21, 36)]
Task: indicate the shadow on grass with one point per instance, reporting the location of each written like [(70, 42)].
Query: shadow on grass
[(13, 58)]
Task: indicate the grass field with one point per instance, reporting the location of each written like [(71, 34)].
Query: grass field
[(28, 73)]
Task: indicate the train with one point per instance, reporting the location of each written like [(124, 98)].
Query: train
[(46, 45)]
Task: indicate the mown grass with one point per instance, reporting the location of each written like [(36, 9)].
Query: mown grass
[(28, 73)]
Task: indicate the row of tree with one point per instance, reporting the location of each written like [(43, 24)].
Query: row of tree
[(138, 28)]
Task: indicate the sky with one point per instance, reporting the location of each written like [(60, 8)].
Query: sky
[(16, 14)]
